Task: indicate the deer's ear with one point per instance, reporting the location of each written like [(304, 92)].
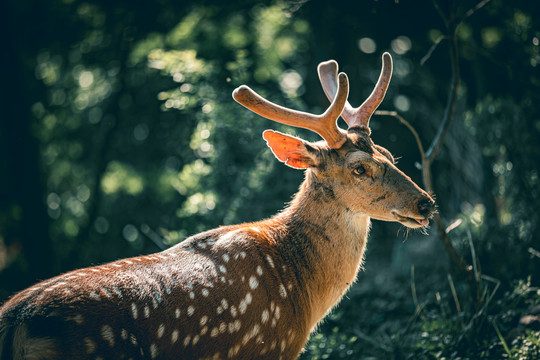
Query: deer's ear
[(290, 150)]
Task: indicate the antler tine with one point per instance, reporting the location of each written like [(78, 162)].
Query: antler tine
[(357, 117), (328, 71), (324, 124)]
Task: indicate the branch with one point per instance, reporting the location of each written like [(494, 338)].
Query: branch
[(408, 125), (472, 10), (449, 112), (432, 49)]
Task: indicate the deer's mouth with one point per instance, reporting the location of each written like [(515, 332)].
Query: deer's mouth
[(411, 221)]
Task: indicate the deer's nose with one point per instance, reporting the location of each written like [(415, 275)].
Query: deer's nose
[(426, 206)]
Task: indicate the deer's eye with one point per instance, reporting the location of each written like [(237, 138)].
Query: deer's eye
[(359, 170)]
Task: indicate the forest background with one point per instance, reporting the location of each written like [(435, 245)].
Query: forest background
[(119, 136)]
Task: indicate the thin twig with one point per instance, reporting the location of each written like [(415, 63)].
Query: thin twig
[(408, 125), (534, 252), (472, 10), (413, 287), (441, 13), (449, 112), (152, 235), (473, 256), (503, 342), (432, 49), (454, 293)]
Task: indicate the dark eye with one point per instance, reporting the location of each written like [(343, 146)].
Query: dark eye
[(360, 170)]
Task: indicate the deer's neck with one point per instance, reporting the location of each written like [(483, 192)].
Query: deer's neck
[(326, 244)]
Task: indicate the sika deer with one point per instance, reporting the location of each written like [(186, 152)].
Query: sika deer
[(246, 291)]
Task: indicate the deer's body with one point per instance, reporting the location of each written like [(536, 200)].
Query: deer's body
[(255, 281), (246, 291)]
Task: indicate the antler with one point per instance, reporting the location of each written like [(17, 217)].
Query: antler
[(324, 124), (357, 117)]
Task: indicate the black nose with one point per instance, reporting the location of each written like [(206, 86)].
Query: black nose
[(426, 206)]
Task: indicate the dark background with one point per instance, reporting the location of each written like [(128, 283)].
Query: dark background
[(118, 135)]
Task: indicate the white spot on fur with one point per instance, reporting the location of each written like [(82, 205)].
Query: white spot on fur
[(107, 334), (146, 312), (277, 314), (90, 345), (204, 319), (214, 333), (259, 270), (237, 325), (124, 334), (242, 307), (234, 312), (253, 282), (78, 318), (282, 291), (117, 291), (187, 340), (153, 351), (223, 269), (174, 336), (265, 316), (224, 303), (196, 339), (204, 330), (270, 261), (94, 295), (177, 313), (191, 295), (134, 311), (222, 327), (226, 257), (205, 292), (161, 331), (190, 310)]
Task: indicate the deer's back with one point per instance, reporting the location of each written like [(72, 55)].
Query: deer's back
[(222, 287)]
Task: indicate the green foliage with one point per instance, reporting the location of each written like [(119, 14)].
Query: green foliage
[(526, 347)]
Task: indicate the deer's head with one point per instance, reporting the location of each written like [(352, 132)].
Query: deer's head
[(355, 173)]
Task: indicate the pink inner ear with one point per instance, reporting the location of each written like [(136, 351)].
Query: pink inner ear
[(288, 149)]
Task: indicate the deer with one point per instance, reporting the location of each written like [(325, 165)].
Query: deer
[(248, 291)]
